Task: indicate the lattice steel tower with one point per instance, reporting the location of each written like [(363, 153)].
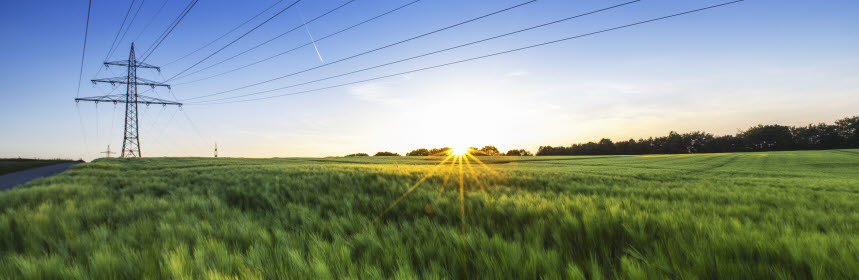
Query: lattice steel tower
[(131, 140)]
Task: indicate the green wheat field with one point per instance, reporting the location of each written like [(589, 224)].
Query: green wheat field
[(775, 215)]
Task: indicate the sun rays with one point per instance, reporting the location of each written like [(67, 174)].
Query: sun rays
[(457, 165), (459, 151)]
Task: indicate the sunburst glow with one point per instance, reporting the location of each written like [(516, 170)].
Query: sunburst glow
[(459, 168), (459, 151)]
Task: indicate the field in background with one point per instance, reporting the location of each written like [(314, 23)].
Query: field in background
[(10, 165), (735, 216)]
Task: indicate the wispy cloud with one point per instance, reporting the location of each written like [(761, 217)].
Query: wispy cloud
[(376, 93), (517, 73)]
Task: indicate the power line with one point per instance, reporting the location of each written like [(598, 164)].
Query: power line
[(83, 130), (96, 123), (194, 126), (170, 30), (483, 56), (193, 144), (304, 45), (157, 140), (110, 50), (225, 34), (164, 128), (169, 26), (165, 35), (267, 41), (83, 53), (151, 20), (131, 99), (155, 120), (374, 50), (112, 121), (239, 38), (429, 53), (127, 28), (106, 92)]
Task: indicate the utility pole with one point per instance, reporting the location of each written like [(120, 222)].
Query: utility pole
[(131, 139), (108, 152), (216, 149)]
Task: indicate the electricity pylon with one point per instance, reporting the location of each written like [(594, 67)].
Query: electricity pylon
[(108, 152), (131, 140)]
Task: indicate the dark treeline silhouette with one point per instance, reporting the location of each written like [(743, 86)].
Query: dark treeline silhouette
[(843, 134), (386, 154), (485, 151), (519, 153), (422, 152)]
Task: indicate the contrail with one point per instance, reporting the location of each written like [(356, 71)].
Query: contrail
[(300, 14)]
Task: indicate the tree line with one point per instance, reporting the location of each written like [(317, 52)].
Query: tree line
[(844, 133), (379, 154), (423, 152)]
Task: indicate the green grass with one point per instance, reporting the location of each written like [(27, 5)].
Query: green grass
[(10, 165), (733, 216)]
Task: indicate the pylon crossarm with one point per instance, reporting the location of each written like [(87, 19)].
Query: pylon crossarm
[(138, 64), (124, 80), (131, 99), (121, 98)]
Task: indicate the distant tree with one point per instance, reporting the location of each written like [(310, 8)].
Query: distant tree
[(419, 153), (848, 129), (386, 154), (768, 138), (440, 151), (589, 148), (550, 151), (476, 152), (724, 144), (645, 146), (490, 150), (673, 144), (625, 147), (805, 137), (696, 142), (358, 155), (519, 153), (605, 147), (829, 136)]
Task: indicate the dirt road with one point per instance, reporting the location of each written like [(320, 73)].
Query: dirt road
[(11, 180)]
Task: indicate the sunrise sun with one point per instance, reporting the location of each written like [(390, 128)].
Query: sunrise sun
[(459, 151)]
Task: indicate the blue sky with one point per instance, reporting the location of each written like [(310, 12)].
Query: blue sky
[(759, 61)]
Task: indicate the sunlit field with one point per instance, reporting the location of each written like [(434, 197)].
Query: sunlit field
[(732, 216)]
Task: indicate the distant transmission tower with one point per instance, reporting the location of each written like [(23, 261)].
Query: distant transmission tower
[(216, 149), (131, 140), (108, 152)]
